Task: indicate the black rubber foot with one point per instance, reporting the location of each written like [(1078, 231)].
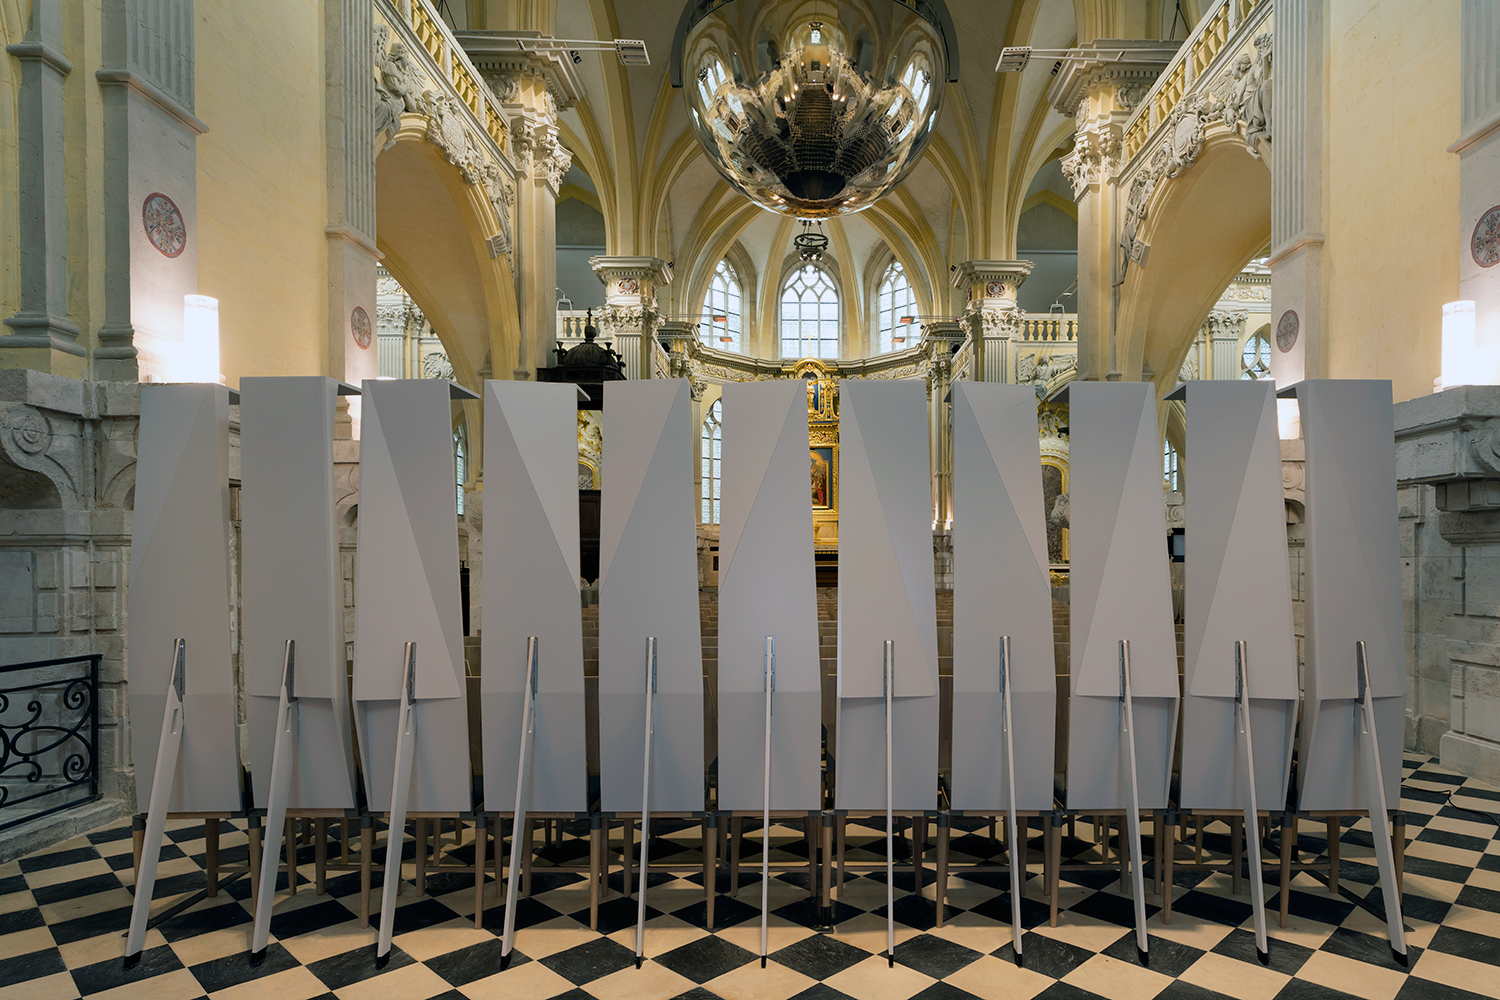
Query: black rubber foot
[(257, 957), (890, 958), (131, 961), (1400, 957), (637, 961), (1020, 960), (506, 959), (762, 961), (1264, 956), (825, 918), (381, 961), (1144, 956)]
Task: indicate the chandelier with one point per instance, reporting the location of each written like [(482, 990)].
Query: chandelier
[(814, 110), (810, 243)]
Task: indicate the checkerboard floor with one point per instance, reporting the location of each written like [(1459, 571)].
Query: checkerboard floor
[(63, 912)]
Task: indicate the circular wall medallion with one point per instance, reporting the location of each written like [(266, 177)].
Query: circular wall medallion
[(164, 226), (1286, 331), (1485, 243), (359, 325), (995, 289)]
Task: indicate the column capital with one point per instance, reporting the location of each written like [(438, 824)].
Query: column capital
[(995, 280), (631, 281)]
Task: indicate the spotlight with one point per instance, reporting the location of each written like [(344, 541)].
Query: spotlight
[(576, 57)]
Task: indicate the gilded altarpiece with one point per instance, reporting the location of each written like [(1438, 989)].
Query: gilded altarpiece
[(822, 453)]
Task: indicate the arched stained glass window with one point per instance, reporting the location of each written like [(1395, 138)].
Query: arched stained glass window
[(722, 325), (1255, 359), (809, 315), (896, 306), (712, 442), (1169, 464)]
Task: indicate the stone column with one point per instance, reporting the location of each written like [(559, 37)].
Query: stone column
[(991, 317), (1478, 151), (1224, 329), (630, 315), (41, 336), (353, 353), (150, 186), (1298, 107), (1099, 93), (532, 87)]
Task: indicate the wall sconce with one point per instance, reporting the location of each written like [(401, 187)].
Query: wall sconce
[(200, 339), (1460, 356)]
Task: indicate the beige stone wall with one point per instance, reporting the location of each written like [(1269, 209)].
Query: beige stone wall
[(1391, 258), (262, 184)]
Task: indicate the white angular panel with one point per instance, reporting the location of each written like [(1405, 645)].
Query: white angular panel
[(531, 589), (406, 590), (886, 591), (1120, 590), (179, 589), (1001, 586), (648, 586), (767, 587), (1238, 585), (1353, 588), (292, 587)]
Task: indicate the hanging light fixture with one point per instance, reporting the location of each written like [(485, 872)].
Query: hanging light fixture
[(810, 243)]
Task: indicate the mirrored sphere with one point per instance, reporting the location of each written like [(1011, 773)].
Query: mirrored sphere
[(814, 110)]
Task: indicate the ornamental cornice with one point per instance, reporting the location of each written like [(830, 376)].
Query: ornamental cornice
[(1108, 62), (506, 52), (973, 272)]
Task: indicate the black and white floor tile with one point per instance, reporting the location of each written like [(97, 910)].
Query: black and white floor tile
[(63, 913)]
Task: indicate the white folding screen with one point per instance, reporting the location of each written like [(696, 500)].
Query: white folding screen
[(179, 589), (887, 590), (1353, 589), (1120, 590), (531, 589), (648, 586), (1238, 587), (292, 587), (1001, 587), (406, 590), (767, 587)]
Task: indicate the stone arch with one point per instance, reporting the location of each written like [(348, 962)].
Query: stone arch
[(1204, 226)]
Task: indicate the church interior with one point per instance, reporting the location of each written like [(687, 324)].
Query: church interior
[(1024, 685)]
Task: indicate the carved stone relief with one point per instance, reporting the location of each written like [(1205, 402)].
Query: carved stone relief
[(398, 85)]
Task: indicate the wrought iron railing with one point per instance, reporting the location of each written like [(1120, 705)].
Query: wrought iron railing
[(49, 737)]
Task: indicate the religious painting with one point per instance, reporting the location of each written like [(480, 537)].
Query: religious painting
[(822, 477), (1055, 503)]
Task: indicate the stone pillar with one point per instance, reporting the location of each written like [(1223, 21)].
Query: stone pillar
[(1224, 329), (353, 353), (41, 336), (1298, 107), (630, 316), (532, 87), (150, 186), (1099, 93), (1448, 475), (1478, 151), (941, 339), (991, 317)]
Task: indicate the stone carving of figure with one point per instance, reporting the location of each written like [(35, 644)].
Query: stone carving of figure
[(397, 85), (1256, 108)]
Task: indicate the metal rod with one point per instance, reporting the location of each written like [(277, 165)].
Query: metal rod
[(406, 744), (1133, 817), (1017, 845), (283, 760), (165, 774), (1380, 819), (519, 843), (640, 912), (1252, 840), (765, 834), (890, 819)]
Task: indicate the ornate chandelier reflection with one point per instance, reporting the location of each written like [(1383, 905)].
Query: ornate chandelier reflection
[(814, 110)]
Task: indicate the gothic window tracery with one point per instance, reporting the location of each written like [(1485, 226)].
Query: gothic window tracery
[(460, 461), (896, 306), (712, 442), (1255, 359), (722, 323), (809, 315), (1169, 466)]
